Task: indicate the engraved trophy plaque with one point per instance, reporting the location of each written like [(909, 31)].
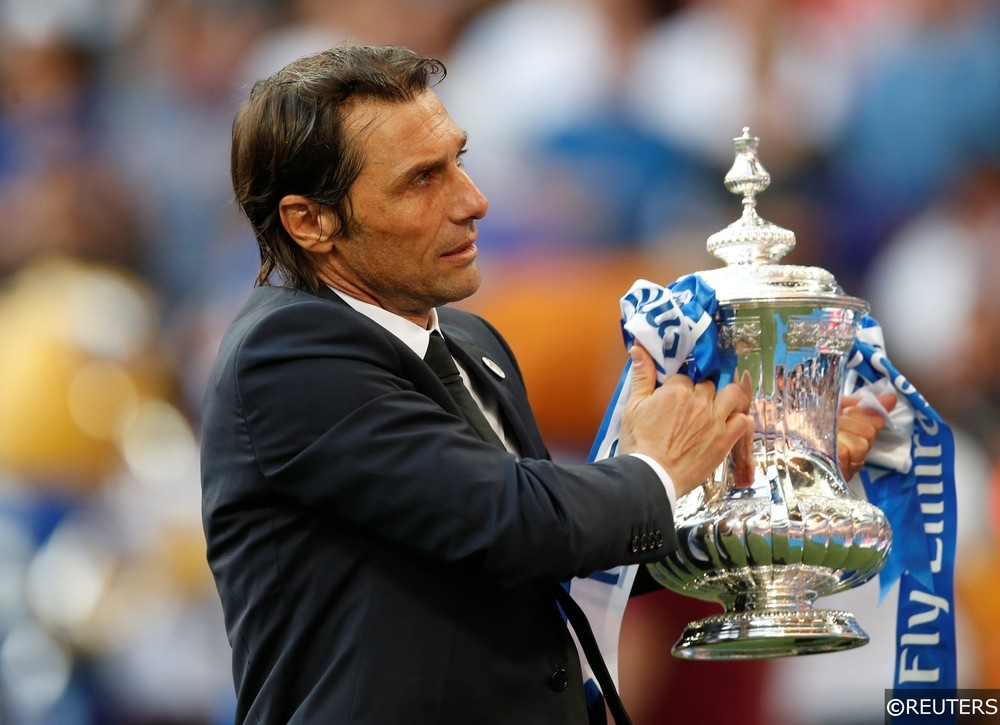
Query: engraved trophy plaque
[(767, 549)]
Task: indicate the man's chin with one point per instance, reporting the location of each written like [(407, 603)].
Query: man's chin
[(467, 285)]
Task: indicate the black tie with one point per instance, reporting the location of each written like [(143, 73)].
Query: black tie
[(439, 359)]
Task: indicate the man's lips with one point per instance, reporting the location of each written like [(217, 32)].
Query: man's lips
[(467, 251)]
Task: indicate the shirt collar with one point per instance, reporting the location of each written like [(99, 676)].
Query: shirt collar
[(409, 333)]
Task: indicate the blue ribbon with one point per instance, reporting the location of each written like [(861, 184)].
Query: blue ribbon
[(918, 498)]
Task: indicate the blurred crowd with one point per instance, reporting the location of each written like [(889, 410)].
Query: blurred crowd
[(600, 130)]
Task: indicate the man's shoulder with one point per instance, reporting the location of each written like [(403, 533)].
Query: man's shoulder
[(267, 298), (272, 315), (266, 302)]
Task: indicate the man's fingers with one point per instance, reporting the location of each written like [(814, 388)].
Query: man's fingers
[(853, 443), (857, 428), (888, 400), (733, 398), (643, 372), (849, 401), (851, 452), (862, 422), (706, 389), (740, 426)]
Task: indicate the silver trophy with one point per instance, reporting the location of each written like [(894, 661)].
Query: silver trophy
[(767, 548)]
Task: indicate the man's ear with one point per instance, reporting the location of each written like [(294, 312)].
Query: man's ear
[(310, 224)]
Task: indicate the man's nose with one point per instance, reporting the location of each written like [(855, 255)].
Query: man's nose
[(472, 202)]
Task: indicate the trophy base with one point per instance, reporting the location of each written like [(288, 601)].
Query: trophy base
[(767, 633)]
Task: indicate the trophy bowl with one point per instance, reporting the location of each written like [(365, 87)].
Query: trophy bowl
[(768, 548)]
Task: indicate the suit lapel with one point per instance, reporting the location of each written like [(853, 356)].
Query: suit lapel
[(474, 360)]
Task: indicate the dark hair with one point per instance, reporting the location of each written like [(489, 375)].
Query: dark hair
[(289, 138)]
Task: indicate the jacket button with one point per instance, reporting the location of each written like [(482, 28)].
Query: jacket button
[(635, 544), (559, 680)]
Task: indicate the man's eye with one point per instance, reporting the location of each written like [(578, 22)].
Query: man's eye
[(426, 176), (459, 160)]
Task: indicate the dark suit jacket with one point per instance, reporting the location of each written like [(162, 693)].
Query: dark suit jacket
[(377, 562)]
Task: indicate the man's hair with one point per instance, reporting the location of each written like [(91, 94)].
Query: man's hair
[(289, 137)]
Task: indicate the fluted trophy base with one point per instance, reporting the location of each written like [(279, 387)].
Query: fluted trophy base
[(766, 633)]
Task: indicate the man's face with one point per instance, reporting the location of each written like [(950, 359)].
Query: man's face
[(415, 211)]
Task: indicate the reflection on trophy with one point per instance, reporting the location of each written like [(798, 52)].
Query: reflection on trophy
[(768, 548)]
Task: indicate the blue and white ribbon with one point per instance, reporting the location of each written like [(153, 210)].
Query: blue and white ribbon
[(910, 475), (675, 325)]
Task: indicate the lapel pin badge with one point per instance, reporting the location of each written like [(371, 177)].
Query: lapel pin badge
[(494, 368)]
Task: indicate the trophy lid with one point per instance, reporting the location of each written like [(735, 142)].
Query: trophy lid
[(751, 247)]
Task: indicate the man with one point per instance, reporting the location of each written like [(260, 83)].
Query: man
[(378, 559)]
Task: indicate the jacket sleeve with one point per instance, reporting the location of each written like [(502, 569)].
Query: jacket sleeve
[(351, 424)]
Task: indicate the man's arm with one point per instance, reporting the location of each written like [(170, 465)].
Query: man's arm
[(347, 424)]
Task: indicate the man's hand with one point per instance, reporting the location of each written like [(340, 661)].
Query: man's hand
[(687, 428), (856, 430)]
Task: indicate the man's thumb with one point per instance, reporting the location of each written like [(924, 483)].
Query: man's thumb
[(643, 372)]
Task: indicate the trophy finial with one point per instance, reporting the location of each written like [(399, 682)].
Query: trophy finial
[(750, 239), (747, 175)]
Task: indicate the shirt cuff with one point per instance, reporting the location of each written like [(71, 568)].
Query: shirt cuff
[(668, 483)]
